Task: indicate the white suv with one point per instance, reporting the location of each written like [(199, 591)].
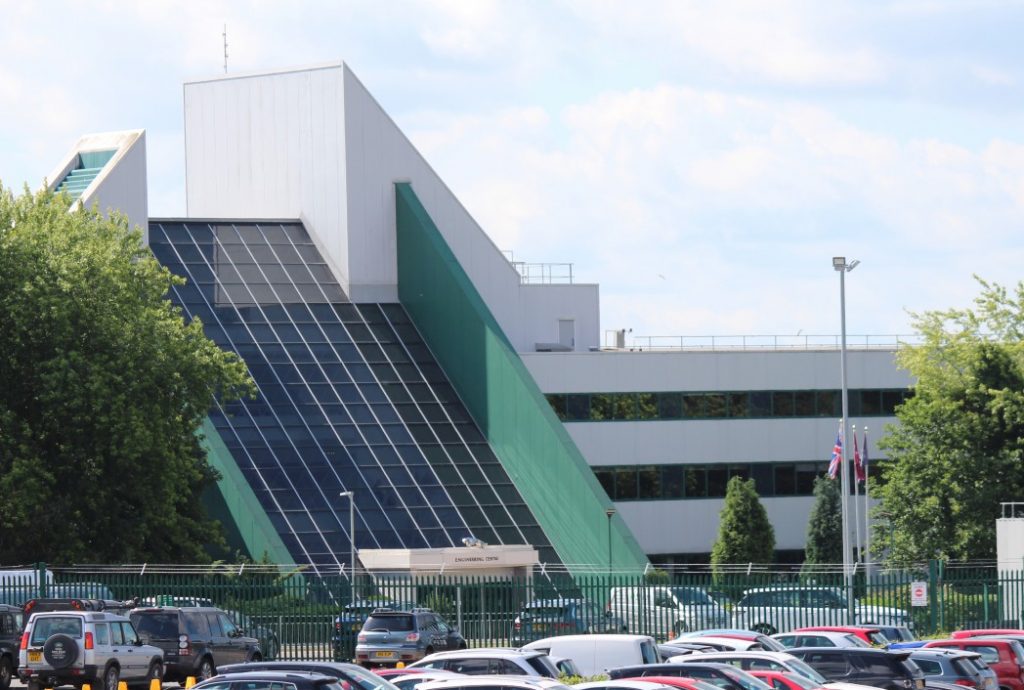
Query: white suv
[(77, 647), (777, 609)]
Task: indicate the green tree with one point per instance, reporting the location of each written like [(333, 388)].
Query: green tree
[(957, 452), (745, 534), (825, 526), (103, 388)]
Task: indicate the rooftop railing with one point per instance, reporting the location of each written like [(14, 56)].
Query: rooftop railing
[(618, 340), (544, 273)]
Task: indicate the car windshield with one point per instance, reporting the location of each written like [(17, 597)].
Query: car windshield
[(55, 625), (878, 639), (157, 626), (802, 681), (691, 595), (745, 680), (805, 670), (388, 623)]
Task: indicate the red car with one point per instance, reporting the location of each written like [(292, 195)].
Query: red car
[(961, 634), (873, 636), (780, 680), (1005, 657), (676, 682)]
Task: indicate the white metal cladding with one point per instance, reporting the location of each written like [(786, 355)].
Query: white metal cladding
[(314, 144)]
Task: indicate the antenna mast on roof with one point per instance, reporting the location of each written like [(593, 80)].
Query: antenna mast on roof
[(225, 48)]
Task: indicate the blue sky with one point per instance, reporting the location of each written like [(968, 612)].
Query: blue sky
[(701, 161)]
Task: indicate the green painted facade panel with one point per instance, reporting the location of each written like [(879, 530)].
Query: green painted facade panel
[(537, 452), (250, 520)]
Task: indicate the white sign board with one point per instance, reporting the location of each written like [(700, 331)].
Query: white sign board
[(918, 593)]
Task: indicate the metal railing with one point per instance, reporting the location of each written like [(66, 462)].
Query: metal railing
[(300, 615), (544, 273), (639, 343)]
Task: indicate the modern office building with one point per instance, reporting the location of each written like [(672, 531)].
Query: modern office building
[(405, 364)]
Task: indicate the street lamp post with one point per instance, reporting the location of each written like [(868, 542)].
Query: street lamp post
[(609, 512), (351, 538), (840, 265)]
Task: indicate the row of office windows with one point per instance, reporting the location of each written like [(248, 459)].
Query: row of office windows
[(670, 482), (600, 407)]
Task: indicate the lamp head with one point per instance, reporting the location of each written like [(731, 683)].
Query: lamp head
[(853, 265), (609, 512), (839, 263)]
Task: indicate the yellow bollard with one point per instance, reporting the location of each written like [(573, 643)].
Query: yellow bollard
[(86, 686), (400, 664), (121, 685), (155, 684), (189, 682)]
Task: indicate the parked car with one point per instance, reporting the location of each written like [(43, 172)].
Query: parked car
[(493, 683), (77, 647), (196, 640), (278, 680), (270, 645), (760, 661), (40, 605), (594, 654), (679, 682), (410, 678), (347, 625), (356, 676), (673, 648), (820, 638), (732, 644), (547, 617), (953, 666), (502, 662), (662, 611), (897, 633), (877, 667), (642, 684), (871, 635), (985, 632), (767, 642), (775, 609), (785, 680), (10, 640), (1005, 657), (725, 676), (388, 637)]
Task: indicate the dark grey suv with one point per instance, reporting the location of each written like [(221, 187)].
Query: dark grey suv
[(877, 667), (195, 640), (390, 636)]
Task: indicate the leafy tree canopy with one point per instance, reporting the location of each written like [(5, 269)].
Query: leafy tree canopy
[(825, 527), (102, 390), (745, 535), (957, 451)]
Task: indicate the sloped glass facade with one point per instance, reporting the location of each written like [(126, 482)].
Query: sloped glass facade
[(350, 399)]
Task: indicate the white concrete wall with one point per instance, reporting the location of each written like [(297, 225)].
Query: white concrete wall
[(711, 441), (271, 146), (121, 185), (543, 305)]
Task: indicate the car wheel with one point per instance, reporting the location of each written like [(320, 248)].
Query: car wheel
[(6, 672), (764, 629), (206, 669), (110, 678), (156, 671)]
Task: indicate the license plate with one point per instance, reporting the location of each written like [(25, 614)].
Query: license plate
[(35, 657), (383, 655), (540, 626)]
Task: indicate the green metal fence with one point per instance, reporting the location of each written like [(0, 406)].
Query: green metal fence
[(300, 615)]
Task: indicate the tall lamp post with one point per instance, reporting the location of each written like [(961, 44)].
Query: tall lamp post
[(351, 538), (840, 265), (609, 512)]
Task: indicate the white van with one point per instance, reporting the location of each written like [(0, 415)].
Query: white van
[(594, 654), (665, 611)]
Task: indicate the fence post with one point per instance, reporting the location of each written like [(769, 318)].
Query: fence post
[(41, 579)]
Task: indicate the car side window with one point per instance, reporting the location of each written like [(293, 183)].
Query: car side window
[(828, 664), (213, 620), (102, 634), (765, 665), (470, 667), (929, 667), (788, 640), (116, 634), (130, 636), (876, 665), (990, 655), (196, 626), (226, 624), (442, 627), (663, 600)]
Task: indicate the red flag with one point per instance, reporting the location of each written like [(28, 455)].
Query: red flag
[(858, 466)]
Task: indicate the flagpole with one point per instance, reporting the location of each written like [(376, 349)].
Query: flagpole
[(839, 264), (856, 497), (867, 519)]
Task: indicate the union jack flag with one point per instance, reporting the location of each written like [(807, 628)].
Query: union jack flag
[(837, 454)]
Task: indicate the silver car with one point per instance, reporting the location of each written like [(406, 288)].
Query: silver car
[(78, 647)]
